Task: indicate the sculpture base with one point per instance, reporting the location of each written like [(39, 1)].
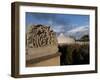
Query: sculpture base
[(48, 60)]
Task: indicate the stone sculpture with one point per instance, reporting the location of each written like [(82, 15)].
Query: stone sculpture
[(41, 41), (40, 36)]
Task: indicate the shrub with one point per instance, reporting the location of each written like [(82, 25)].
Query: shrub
[(74, 54)]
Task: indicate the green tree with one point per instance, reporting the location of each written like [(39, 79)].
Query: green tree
[(85, 38)]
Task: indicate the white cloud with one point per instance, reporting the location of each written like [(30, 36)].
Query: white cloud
[(78, 32), (79, 29), (50, 22), (59, 28)]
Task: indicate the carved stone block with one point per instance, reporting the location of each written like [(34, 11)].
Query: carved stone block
[(40, 41)]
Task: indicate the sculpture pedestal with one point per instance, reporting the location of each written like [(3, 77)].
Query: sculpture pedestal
[(48, 60)]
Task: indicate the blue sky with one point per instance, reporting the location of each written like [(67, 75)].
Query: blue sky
[(69, 24)]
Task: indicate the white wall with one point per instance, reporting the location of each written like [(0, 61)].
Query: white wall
[(5, 40)]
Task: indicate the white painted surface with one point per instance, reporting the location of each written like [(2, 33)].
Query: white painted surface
[(53, 69)]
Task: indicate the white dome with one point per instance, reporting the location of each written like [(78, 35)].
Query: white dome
[(63, 39)]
